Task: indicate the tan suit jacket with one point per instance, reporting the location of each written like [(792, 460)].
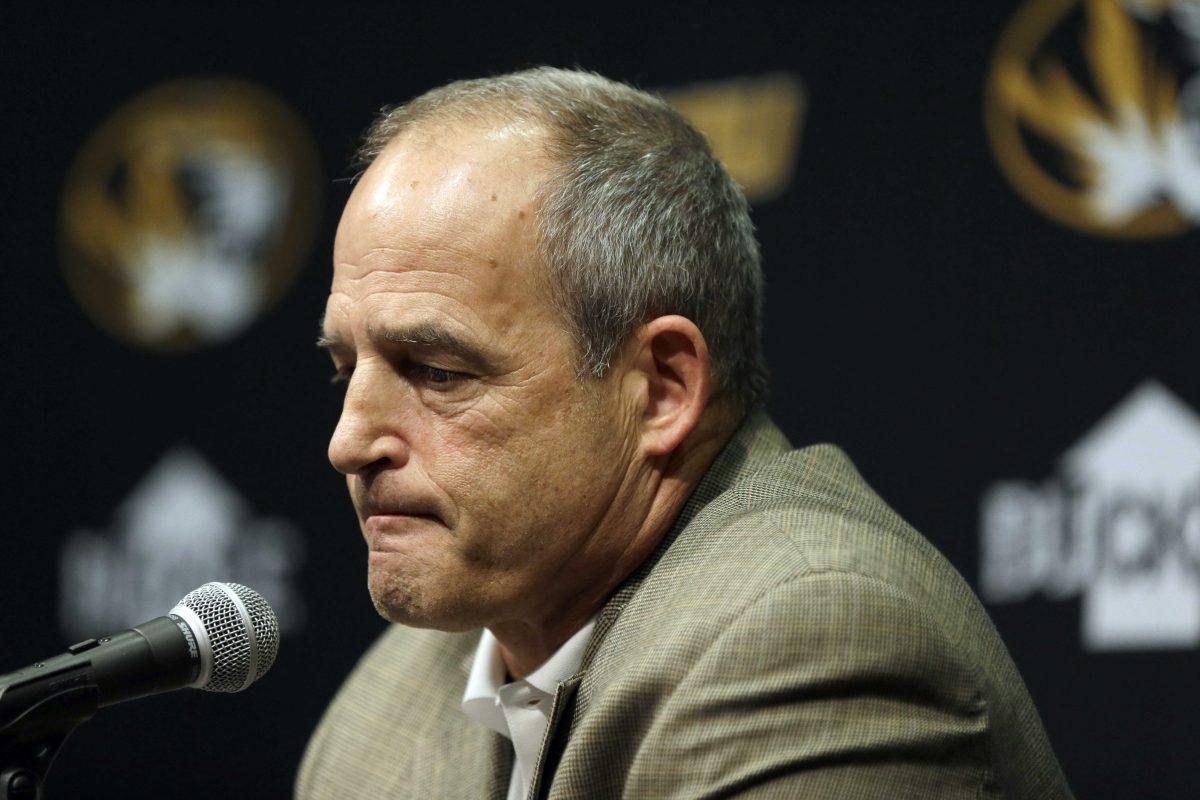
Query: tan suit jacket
[(791, 637)]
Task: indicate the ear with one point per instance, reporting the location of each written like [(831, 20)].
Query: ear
[(672, 360)]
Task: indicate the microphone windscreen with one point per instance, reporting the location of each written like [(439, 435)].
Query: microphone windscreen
[(239, 638)]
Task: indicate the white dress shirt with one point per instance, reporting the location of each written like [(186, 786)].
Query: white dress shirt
[(520, 710)]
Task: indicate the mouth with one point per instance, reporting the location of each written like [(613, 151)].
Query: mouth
[(370, 508), (389, 515), (386, 530)]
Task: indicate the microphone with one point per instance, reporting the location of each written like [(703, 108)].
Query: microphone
[(221, 637)]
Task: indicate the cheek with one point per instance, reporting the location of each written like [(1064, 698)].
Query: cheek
[(465, 448), (511, 476), (545, 479), (487, 471), (478, 461)]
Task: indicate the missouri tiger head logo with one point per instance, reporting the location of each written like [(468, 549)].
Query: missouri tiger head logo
[(189, 211), (1093, 112)]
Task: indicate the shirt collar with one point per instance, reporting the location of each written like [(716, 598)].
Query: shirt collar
[(481, 699)]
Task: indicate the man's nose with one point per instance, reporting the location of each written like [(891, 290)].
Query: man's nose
[(366, 434)]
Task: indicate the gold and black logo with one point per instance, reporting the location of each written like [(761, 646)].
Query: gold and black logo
[(188, 212), (752, 124), (1093, 112)]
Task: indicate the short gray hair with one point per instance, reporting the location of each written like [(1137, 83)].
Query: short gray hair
[(640, 219)]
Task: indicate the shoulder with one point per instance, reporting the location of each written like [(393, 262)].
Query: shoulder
[(830, 684), (798, 559), (802, 523), (796, 608)]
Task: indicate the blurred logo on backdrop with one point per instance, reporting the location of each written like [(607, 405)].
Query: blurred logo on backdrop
[(188, 212), (1093, 112), (752, 124), (181, 526), (1119, 526)]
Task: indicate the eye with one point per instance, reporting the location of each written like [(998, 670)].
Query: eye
[(435, 375), (341, 377)]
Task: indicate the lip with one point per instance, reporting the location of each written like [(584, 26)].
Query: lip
[(384, 530)]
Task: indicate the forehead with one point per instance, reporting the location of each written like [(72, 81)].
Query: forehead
[(444, 221)]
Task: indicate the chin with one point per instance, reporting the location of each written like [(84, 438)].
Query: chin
[(403, 603)]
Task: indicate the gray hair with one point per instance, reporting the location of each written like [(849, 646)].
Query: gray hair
[(639, 220)]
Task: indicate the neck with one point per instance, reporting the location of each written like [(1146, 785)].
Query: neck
[(656, 494)]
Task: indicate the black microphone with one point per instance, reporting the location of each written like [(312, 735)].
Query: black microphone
[(221, 637)]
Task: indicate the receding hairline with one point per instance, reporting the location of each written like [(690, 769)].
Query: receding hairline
[(424, 127), (440, 126), (428, 130), (549, 98)]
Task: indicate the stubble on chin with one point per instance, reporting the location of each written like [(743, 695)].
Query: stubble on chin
[(400, 599), (395, 598)]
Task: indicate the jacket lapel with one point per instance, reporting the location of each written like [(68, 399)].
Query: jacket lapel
[(557, 733)]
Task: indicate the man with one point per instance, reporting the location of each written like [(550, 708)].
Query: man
[(545, 310)]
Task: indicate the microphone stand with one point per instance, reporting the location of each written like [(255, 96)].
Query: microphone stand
[(23, 768), (38, 712)]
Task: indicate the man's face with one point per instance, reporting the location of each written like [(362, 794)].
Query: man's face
[(483, 471)]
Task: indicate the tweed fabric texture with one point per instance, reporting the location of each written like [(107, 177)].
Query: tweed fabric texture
[(790, 637)]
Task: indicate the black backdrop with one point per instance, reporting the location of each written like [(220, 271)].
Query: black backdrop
[(921, 314)]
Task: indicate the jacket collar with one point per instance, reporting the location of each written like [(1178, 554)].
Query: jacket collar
[(756, 443)]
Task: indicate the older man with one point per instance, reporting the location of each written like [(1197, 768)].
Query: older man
[(545, 310)]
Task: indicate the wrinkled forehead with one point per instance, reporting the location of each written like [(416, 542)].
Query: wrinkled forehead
[(468, 190), (444, 228)]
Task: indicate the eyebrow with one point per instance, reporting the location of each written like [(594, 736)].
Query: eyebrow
[(425, 335), (327, 341), (434, 337)]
